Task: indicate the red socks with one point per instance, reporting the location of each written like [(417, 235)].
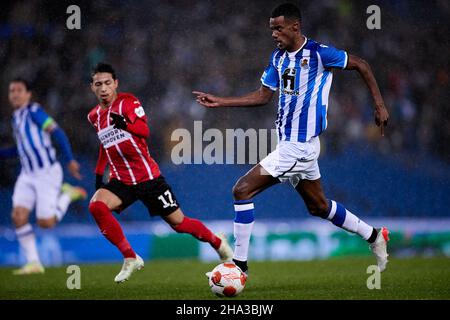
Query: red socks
[(198, 230), (111, 228)]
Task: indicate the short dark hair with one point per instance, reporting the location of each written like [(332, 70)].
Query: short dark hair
[(103, 67), (23, 81), (288, 10)]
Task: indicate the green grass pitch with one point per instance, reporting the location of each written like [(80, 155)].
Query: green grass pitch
[(341, 278)]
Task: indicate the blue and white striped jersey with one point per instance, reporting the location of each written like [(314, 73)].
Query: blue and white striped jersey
[(304, 79), (34, 144)]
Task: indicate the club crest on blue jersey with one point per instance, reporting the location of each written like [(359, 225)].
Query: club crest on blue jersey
[(304, 79), (305, 64)]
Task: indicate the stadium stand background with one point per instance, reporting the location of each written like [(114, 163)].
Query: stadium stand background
[(164, 50)]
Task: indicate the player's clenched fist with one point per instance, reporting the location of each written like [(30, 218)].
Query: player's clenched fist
[(118, 121)]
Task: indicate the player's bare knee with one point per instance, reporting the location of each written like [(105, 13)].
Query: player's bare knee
[(19, 217), (19, 221), (175, 219), (241, 190), (102, 198), (46, 223)]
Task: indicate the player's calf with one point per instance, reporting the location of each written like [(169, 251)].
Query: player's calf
[(318, 209), (110, 228), (197, 229), (183, 224)]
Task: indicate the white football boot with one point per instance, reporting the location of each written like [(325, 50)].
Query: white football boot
[(129, 266), (225, 253), (379, 248)]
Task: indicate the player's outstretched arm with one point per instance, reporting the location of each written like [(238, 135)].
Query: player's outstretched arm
[(360, 65), (46, 123), (61, 139), (256, 98)]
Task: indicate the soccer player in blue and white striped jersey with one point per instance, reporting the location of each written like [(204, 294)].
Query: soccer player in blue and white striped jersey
[(302, 70), (40, 183)]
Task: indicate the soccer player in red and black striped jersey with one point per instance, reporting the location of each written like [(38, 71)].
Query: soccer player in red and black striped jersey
[(122, 129)]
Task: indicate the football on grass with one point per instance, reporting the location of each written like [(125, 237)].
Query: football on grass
[(227, 280)]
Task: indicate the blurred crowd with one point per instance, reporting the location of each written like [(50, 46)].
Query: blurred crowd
[(162, 50)]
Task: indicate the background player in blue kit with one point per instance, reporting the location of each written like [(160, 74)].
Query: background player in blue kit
[(301, 69), (40, 183)]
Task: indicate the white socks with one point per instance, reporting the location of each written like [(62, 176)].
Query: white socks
[(242, 233), (346, 220), (63, 203), (27, 242), (243, 226)]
